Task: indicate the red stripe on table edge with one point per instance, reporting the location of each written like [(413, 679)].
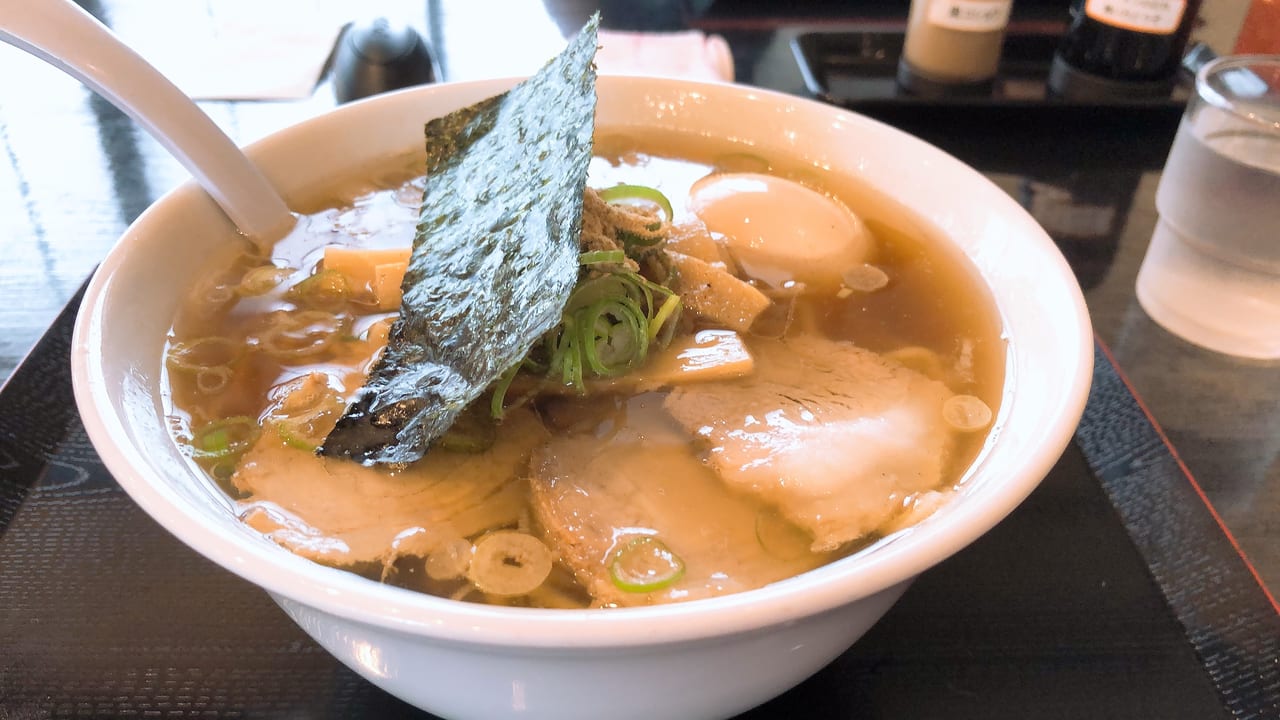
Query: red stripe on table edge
[(820, 24), (1186, 472)]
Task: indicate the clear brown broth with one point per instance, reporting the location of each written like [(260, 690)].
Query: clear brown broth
[(935, 300)]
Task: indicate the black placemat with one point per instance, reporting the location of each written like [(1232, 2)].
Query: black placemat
[(1054, 614), (1231, 620)]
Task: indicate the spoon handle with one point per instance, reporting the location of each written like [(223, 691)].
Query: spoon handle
[(62, 34)]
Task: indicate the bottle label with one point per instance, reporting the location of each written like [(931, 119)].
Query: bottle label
[(970, 15), (1158, 17)]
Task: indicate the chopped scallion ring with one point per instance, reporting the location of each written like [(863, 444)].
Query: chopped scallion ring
[(643, 193), (212, 380), (262, 280), (669, 309), (497, 403), (507, 562), (602, 256), (300, 334), (224, 438), (327, 289), (608, 326), (291, 433), (203, 353), (645, 564), (614, 337)]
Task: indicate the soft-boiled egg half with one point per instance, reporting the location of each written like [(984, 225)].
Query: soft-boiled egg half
[(780, 231)]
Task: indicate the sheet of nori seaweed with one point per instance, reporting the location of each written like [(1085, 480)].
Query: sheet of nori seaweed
[(494, 259)]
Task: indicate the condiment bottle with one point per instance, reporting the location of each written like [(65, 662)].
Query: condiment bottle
[(1122, 48), (952, 45)]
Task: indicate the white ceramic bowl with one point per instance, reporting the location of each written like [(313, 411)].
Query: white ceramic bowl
[(709, 658)]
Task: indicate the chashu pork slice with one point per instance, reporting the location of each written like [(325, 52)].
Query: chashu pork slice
[(836, 437), (593, 497), (340, 513)]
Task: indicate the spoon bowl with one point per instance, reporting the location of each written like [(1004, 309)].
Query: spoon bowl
[(64, 35)]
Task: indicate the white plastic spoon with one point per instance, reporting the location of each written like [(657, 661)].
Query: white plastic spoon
[(62, 34)]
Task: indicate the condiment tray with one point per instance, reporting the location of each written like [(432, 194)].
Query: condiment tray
[(857, 69)]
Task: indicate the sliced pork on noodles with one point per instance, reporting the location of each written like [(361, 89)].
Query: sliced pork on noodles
[(342, 513), (640, 520), (576, 366), (838, 438)]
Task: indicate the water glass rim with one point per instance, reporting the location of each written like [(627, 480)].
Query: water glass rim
[(1231, 96)]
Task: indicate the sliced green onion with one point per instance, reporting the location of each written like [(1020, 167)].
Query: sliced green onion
[(223, 468), (327, 290), (262, 280), (307, 409), (604, 287), (203, 353), (645, 564), (474, 431), (497, 403), (966, 413), (508, 562), (607, 327), (293, 435), (213, 380), (571, 365), (614, 337), (224, 438), (669, 310), (662, 321), (780, 538), (641, 193), (612, 317), (602, 256), (634, 240), (450, 560), (300, 334)]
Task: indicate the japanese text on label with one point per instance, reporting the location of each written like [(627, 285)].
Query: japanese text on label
[(1159, 17), (970, 15)]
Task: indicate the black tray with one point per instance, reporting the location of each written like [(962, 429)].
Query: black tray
[(1110, 593), (857, 69)]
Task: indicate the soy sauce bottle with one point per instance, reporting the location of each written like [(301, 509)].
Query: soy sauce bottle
[(1122, 48)]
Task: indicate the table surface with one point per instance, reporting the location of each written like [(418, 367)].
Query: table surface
[(75, 172)]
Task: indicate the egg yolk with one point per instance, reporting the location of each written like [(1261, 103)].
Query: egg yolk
[(780, 231)]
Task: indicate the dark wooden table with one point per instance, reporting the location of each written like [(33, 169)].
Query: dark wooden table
[(75, 172)]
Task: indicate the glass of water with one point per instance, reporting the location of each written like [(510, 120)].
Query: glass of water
[(1212, 272)]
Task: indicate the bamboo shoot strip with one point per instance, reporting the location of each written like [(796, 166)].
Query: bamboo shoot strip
[(494, 259)]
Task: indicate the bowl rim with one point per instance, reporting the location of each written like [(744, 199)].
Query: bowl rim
[(345, 595)]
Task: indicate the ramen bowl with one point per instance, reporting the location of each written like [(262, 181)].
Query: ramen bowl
[(700, 659)]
